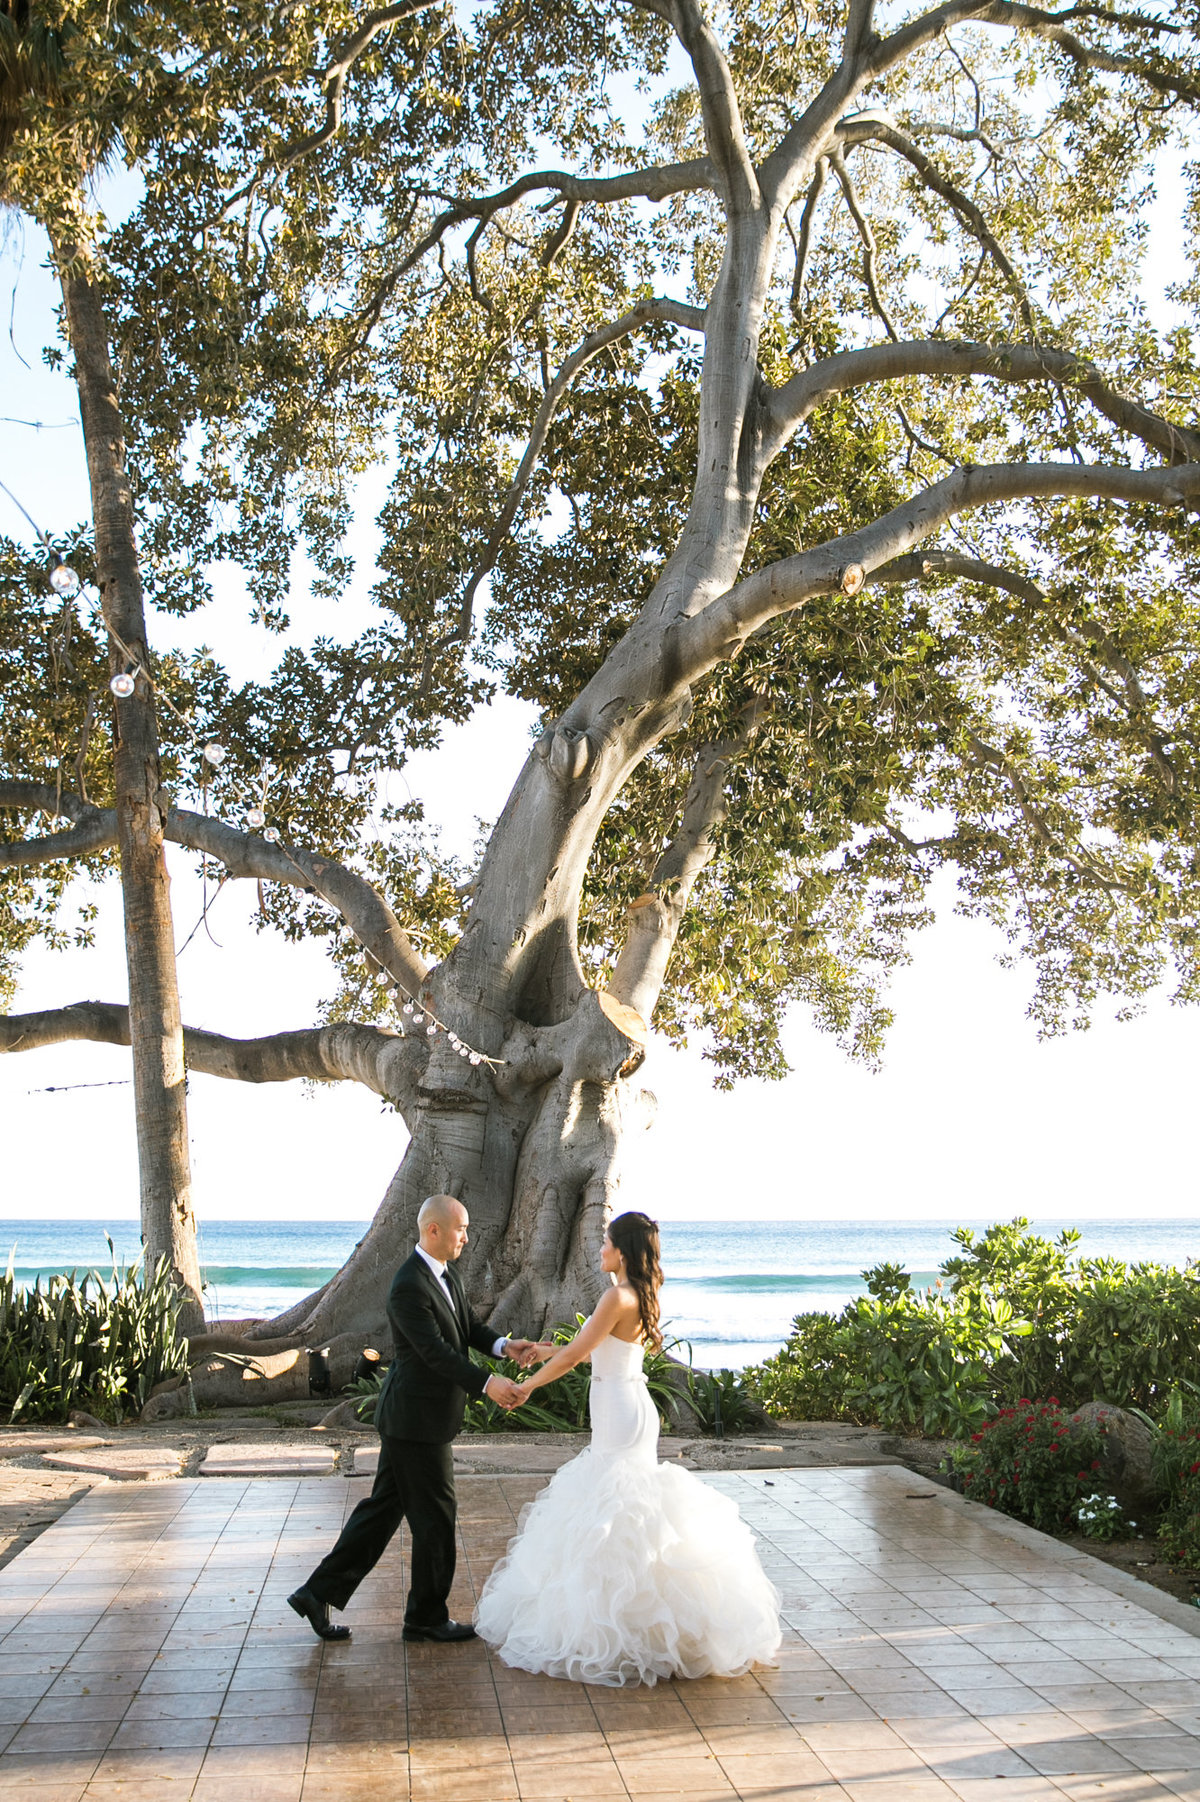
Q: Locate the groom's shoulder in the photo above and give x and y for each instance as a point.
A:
(409, 1272)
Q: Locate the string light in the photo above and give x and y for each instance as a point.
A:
(66, 583)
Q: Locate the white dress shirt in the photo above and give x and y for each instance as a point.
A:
(439, 1270)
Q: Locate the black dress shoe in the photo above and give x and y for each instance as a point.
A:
(316, 1612)
(446, 1631)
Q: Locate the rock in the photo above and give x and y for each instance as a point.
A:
(1126, 1453)
(167, 1401)
(86, 1422)
(343, 1416)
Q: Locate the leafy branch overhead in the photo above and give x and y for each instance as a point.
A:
(768, 397)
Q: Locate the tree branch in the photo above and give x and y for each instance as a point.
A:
(333, 83)
(345, 1052)
(676, 313)
(931, 25)
(697, 644)
(791, 405)
(803, 239)
(870, 249)
(244, 854)
(1089, 868)
(723, 129)
(654, 919)
(94, 828)
(1088, 637)
(867, 128)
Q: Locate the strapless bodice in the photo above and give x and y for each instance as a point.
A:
(617, 1361)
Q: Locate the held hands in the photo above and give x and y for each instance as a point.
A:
(527, 1352)
(504, 1392)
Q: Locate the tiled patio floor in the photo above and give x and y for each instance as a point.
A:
(148, 1652)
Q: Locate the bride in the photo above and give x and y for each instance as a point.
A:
(626, 1570)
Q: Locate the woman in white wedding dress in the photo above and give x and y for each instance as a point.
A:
(626, 1570)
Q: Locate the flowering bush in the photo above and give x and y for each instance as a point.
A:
(1029, 1462)
(1101, 1516)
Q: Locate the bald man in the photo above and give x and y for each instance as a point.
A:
(420, 1411)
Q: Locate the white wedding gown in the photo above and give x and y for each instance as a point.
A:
(626, 1570)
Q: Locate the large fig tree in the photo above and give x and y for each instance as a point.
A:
(773, 401)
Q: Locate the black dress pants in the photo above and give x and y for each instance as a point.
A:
(414, 1482)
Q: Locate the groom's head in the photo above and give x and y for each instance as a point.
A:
(442, 1224)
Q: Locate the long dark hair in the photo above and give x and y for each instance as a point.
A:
(635, 1236)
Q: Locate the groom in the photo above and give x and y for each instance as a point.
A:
(420, 1410)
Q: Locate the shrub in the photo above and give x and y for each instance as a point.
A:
(720, 1398)
(1026, 1462)
(1177, 1474)
(1100, 1516)
(87, 1342)
(1012, 1315)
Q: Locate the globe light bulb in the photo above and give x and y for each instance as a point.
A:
(418, 1016)
(272, 835)
(475, 1057)
(63, 580)
(215, 754)
(431, 1029)
(407, 1009)
(382, 976)
(255, 817)
(462, 1051)
(122, 686)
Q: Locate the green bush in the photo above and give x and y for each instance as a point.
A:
(1012, 1315)
(1177, 1475)
(720, 1398)
(1026, 1463)
(87, 1342)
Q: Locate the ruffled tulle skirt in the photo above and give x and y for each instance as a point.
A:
(626, 1570)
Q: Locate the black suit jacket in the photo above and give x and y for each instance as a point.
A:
(431, 1375)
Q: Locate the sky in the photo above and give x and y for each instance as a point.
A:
(970, 1118)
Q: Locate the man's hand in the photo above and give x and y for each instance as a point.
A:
(503, 1391)
(527, 1352)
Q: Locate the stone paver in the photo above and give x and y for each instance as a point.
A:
(20, 1445)
(933, 1651)
(129, 1463)
(268, 1460)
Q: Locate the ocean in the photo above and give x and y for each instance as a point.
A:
(732, 1288)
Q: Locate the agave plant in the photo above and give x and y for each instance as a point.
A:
(87, 1341)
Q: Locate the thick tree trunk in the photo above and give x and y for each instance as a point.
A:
(156, 1030)
(533, 1149)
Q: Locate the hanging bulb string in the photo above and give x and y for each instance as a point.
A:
(43, 537)
(414, 1012)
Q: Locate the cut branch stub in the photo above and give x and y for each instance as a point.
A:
(569, 754)
(627, 1021)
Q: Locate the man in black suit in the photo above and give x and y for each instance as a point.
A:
(420, 1410)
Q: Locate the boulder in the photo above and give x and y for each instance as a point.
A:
(344, 1416)
(87, 1423)
(1126, 1453)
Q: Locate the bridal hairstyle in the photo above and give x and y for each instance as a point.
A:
(635, 1236)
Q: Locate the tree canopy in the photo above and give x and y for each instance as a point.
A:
(769, 398)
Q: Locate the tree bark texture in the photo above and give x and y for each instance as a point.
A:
(155, 1026)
